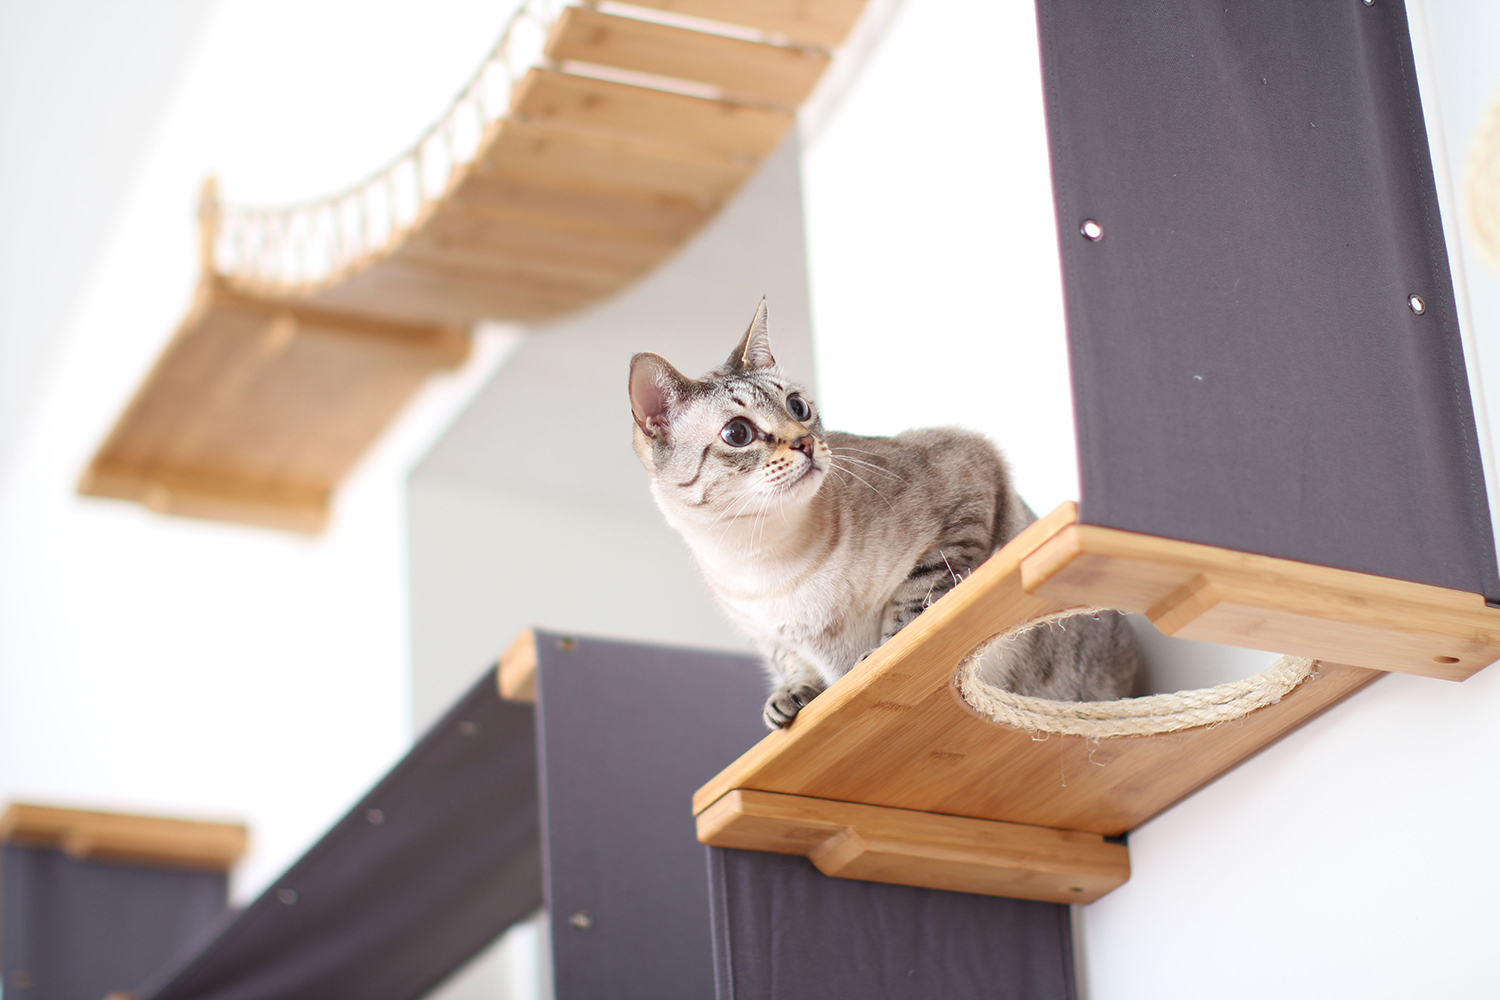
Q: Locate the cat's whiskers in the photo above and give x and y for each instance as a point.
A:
(873, 466)
(872, 488)
(870, 465)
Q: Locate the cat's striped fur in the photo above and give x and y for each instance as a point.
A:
(820, 545)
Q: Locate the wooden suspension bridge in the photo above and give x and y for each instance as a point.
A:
(550, 184)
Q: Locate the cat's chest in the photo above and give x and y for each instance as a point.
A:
(798, 604)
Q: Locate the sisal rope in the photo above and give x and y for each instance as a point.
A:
(1157, 713)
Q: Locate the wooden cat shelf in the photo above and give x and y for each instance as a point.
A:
(889, 776)
(90, 835)
(313, 325)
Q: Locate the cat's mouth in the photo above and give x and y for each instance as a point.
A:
(811, 467)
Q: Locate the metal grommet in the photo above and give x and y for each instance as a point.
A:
(287, 896)
(1415, 304)
(375, 817)
(1091, 230)
(581, 920)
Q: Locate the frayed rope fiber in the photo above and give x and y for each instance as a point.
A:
(1157, 713)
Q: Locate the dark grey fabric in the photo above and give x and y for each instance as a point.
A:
(81, 929)
(785, 931)
(435, 862)
(628, 733)
(1247, 372)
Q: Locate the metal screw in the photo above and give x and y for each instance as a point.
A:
(1091, 230)
(287, 896)
(1415, 303)
(375, 817)
(581, 920)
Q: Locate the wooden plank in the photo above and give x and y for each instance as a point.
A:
(1259, 602)
(435, 346)
(581, 211)
(892, 733)
(289, 507)
(406, 285)
(757, 72)
(722, 129)
(823, 23)
(240, 399)
(92, 835)
(903, 847)
(517, 673)
(516, 245)
(258, 407)
(560, 158)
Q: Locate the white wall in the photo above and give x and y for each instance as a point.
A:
(167, 665)
(1354, 858)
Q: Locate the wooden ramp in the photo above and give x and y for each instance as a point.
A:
(543, 189)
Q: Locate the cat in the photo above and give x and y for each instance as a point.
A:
(821, 545)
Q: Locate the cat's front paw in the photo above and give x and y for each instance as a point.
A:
(786, 701)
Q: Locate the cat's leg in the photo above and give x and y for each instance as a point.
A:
(938, 571)
(797, 682)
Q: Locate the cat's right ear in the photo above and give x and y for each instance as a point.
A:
(655, 387)
(754, 349)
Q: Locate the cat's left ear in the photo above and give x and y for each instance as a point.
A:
(655, 387)
(754, 350)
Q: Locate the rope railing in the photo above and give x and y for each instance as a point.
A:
(311, 241)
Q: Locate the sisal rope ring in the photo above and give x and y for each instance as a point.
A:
(1098, 720)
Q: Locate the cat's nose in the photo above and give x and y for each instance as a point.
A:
(804, 444)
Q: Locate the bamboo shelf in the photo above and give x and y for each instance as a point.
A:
(890, 776)
(278, 380)
(88, 835)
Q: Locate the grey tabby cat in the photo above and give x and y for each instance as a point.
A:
(820, 546)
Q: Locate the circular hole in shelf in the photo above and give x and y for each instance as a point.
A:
(1445, 659)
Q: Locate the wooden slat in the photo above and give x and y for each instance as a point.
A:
(558, 251)
(90, 835)
(1242, 599)
(892, 733)
(903, 847)
(517, 673)
(582, 211)
(777, 75)
(217, 498)
(406, 285)
(824, 23)
(590, 162)
(434, 346)
(703, 127)
(258, 407)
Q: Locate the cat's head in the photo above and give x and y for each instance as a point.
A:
(743, 439)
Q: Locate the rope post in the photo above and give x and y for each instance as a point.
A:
(208, 223)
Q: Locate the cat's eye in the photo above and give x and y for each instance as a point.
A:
(738, 432)
(797, 407)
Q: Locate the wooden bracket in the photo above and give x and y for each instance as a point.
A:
(88, 835)
(879, 844)
(517, 673)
